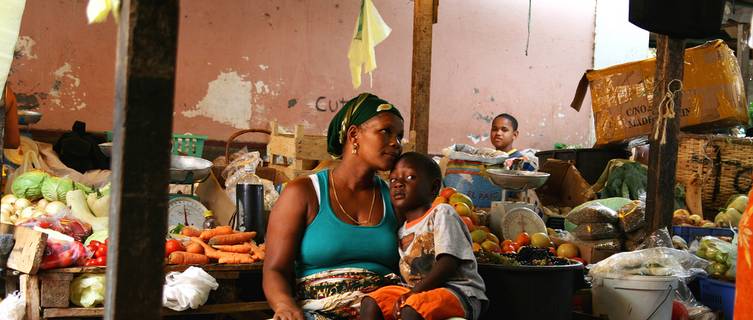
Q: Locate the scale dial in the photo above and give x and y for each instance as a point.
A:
(521, 219)
(185, 211)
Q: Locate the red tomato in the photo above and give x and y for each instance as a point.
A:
(100, 261)
(679, 312)
(101, 251)
(552, 251)
(95, 243)
(523, 239)
(508, 248)
(107, 241)
(90, 263)
(173, 245)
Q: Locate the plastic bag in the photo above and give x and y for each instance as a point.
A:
(658, 238)
(650, 262)
(63, 222)
(559, 236)
(62, 254)
(244, 161)
(592, 213)
(471, 153)
(13, 307)
(632, 216)
(595, 231)
(88, 290)
(721, 254)
(189, 289)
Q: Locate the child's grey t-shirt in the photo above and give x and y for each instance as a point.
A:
(439, 231)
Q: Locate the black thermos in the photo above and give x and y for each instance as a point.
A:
(249, 199)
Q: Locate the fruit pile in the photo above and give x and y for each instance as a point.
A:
(463, 206)
(533, 250)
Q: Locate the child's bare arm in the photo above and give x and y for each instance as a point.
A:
(445, 267)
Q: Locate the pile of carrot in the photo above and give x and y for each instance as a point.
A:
(222, 244)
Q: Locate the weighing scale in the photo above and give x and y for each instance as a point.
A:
(509, 218)
(182, 208)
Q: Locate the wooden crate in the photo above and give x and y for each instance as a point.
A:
(304, 151)
(48, 292)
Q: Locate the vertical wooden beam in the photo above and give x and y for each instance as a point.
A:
(143, 121)
(423, 19)
(743, 53)
(663, 157)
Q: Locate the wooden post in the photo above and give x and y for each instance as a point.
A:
(663, 157)
(743, 53)
(143, 121)
(424, 13)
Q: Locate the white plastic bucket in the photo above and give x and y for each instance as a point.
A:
(634, 297)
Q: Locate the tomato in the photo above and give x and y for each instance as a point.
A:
(505, 242)
(101, 251)
(95, 243)
(100, 261)
(516, 246)
(45, 224)
(552, 251)
(523, 239)
(107, 241)
(90, 263)
(508, 248)
(173, 245)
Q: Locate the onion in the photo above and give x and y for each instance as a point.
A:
(55, 207)
(41, 204)
(9, 199)
(27, 213)
(21, 203)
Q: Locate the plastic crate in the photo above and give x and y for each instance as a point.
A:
(183, 144)
(692, 233)
(589, 162)
(718, 295)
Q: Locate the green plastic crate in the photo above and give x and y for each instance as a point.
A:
(183, 144)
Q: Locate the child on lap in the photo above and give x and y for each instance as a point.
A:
(436, 257)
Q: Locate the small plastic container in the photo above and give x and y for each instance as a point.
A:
(210, 221)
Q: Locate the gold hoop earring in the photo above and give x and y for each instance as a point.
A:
(355, 149)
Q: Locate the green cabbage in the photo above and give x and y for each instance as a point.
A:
(88, 290)
(54, 188)
(100, 235)
(29, 185)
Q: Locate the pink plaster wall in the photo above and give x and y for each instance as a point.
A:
(242, 63)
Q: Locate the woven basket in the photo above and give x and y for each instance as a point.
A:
(217, 168)
(725, 165)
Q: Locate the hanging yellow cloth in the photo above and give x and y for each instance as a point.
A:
(369, 32)
(97, 10)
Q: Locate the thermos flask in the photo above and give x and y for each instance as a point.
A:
(249, 201)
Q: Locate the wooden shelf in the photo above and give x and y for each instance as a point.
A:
(206, 309)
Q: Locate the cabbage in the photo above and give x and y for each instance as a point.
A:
(88, 290)
(54, 188)
(100, 235)
(29, 185)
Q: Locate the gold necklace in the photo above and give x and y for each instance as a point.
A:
(334, 190)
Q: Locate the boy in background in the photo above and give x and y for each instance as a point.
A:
(436, 254)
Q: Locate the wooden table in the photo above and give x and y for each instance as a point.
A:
(48, 292)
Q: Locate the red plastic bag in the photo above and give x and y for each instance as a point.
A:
(65, 224)
(62, 254)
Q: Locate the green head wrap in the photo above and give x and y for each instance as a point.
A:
(357, 111)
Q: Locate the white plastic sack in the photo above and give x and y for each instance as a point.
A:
(88, 290)
(470, 153)
(13, 307)
(189, 289)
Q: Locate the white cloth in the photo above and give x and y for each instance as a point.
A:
(187, 289)
(13, 307)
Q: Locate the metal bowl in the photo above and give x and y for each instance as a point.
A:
(106, 148)
(517, 180)
(187, 169)
(26, 117)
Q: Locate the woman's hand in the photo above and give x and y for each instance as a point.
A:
(289, 313)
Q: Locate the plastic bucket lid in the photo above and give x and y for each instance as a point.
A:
(634, 297)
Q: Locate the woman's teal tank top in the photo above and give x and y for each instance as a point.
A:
(329, 243)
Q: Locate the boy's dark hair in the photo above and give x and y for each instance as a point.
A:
(508, 117)
(422, 163)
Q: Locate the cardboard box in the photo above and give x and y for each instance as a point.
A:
(565, 186)
(591, 253)
(713, 94)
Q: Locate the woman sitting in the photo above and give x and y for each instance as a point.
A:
(332, 236)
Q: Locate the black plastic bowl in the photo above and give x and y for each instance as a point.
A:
(531, 292)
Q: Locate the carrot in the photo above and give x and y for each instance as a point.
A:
(180, 257)
(190, 232)
(258, 251)
(237, 248)
(233, 258)
(194, 248)
(208, 251)
(230, 239)
(209, 233)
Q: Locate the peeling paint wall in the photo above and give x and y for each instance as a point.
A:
(243, 63)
